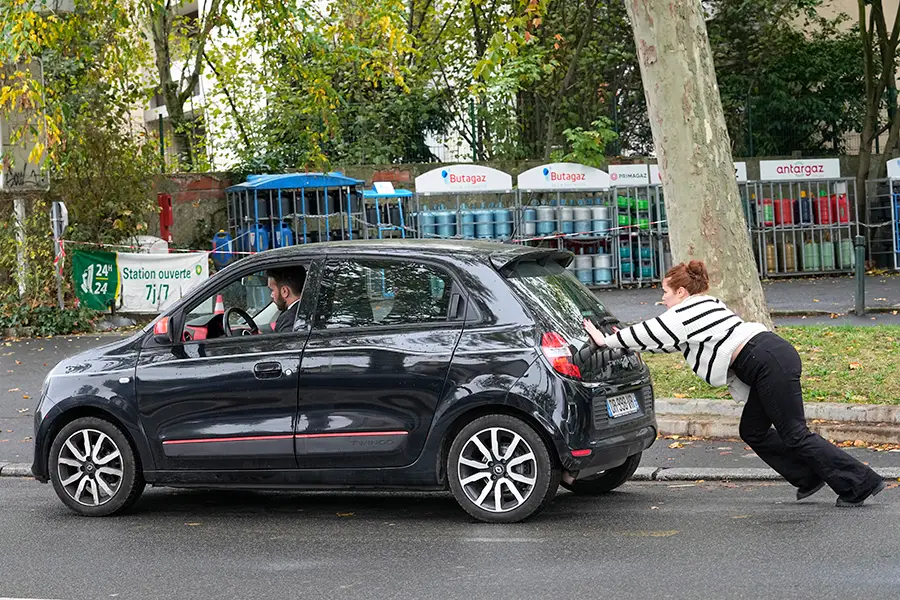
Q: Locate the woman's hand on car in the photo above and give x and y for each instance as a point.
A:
(594, 333)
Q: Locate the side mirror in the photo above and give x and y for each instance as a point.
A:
(162, 331)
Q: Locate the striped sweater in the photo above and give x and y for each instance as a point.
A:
(702, 328)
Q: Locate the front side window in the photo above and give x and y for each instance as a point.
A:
(371, 293)
(250, 296)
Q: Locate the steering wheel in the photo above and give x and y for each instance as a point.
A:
(226, 322)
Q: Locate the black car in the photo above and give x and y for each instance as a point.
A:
(414, 365)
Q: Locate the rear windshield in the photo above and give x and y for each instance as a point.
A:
(557, 298)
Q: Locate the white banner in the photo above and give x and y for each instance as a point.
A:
(893, 168)
(461, 179)
(563, 176)
(629, 175)
(740, 173)
(794, 170)
(151, 283)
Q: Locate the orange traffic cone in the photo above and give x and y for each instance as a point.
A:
(220, 305)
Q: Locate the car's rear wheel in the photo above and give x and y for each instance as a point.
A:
(500, 470)
(606, 481)
(93, 468)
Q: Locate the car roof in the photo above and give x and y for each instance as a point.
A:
(495, 253)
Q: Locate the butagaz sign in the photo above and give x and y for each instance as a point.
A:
(793, 170)
(456, 179)
(563, 176)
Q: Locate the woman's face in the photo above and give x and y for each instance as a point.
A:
(673, 297)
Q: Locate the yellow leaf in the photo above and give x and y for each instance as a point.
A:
(680, 395)
(854, 366)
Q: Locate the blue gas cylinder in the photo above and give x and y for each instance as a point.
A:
(284, 235)
(257, 238)
(529, 222)
(222, 249)
(502, 223)
(445, 223)
(426, 223)
(484, 224)
(468, 223)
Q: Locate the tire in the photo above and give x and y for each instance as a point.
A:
(517, 459)
(606, 481)
(105, 480)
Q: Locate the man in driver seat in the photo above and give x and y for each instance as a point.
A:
(286, 284)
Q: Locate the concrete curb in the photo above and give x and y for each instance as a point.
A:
(827, 411)
(871, 423)
(15, 470)
(719, 474)
(803, 312)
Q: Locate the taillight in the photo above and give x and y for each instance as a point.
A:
(558, 354)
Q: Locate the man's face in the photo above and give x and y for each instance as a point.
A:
(279, 294)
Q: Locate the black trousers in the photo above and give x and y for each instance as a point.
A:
(771, 367)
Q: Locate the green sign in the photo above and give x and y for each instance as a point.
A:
(96, 279)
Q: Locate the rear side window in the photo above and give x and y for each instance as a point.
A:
(558, 300)
(371, 293)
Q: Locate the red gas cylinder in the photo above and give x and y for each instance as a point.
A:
(840, 208)
(784, 212)
(824, 212)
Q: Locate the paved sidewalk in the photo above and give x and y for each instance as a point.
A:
(822, 295)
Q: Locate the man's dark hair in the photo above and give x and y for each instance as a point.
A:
(293, 277)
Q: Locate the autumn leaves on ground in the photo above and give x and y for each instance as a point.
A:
(840, 364)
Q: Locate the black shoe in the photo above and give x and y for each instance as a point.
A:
(806, 492)
(853, 503)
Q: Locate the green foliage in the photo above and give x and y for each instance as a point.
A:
(106, 181)
(44, 320)
(787, 83)
(589, 147)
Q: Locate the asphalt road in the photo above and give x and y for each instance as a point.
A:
(23, 366)
(25, 363)
(648, 540)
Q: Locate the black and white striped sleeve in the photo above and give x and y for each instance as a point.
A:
(661, 334)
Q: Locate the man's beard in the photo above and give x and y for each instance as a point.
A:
(281, 304)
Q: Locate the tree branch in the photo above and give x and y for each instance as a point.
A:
(234, 110)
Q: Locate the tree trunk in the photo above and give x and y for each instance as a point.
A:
(706, 221)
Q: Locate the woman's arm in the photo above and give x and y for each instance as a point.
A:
(664, 333)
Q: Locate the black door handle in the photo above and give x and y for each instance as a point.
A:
(267, 370)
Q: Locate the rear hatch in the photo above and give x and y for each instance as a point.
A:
(559, 303)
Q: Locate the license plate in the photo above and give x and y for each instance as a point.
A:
(619, 406)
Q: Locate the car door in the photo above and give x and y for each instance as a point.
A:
(376, 361)
(225, 402)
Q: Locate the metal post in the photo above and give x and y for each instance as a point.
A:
(22, 267)
(59, 220)
(474, 130)
(860, 244)
(162, 146)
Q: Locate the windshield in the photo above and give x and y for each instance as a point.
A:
(558, 299)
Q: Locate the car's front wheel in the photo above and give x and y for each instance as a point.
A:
(500, 470)
(606, 481)
(93, 468)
